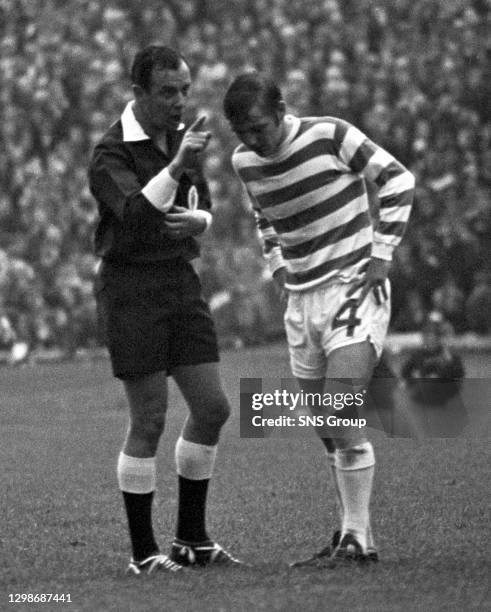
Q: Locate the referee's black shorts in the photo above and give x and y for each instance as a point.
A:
(153, 317)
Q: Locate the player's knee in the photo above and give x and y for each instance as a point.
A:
(348, 437)
(356, 457)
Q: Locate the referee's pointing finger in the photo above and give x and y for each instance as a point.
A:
(198, 124)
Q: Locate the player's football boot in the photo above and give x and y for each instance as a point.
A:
(150, 565)
(201, 554)
(349, 550)
(326, 552)
(372, 554)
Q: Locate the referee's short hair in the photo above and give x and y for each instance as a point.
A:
(154, 56)
(247, 90)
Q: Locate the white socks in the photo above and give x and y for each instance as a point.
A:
(354, 470)
(136, 474)
(331, 459)
(195, 461)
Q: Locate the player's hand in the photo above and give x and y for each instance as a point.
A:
(194, 142)
(182, 223)
(375, 277)
(279, 278)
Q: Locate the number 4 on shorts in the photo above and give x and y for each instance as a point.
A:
(350, 321)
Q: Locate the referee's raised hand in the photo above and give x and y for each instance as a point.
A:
(195, 141)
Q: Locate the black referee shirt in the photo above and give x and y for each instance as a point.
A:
(130, 229)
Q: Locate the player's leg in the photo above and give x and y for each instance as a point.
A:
(308, 364)
(349, 370)
(196, 451)
(317, 386)
(147, 398)
(349, 453)
(353, 341)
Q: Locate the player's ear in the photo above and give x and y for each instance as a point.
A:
(280, 111)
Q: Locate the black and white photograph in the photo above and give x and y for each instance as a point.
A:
(245, 305)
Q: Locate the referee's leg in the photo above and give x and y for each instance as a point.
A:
(147, 397)
(196, 447)
(208, 406)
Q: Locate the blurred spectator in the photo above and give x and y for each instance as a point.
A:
(448, 299)
(434, 376)
(478, 304)
(434, 373)
(412, 316)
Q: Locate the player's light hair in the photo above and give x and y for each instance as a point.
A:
(248, 89)
(154, 56)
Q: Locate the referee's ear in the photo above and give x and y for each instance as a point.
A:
(138, 91)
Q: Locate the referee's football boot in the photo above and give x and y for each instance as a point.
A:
(201, 554)
(153, 564)
(325, 553)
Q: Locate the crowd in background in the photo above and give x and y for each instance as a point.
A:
(414, 75)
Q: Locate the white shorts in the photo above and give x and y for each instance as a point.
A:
(323, 319)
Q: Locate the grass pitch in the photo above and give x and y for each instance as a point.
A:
(63, 528)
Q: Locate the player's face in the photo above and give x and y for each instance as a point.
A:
(262, 131)
(162, 105)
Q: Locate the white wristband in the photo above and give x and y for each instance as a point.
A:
(160, 191)
(204, 214)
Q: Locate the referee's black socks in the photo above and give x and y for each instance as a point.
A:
(194, 464)
(136, 478)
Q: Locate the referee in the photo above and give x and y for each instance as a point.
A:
(146, 176)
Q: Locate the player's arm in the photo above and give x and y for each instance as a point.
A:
(394, 182)
(268, 238)
(272, 252)
(395, 186)
(270, 243)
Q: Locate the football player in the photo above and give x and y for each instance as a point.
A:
(306, 178)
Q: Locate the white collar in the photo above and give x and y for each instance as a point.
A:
(293, 125)
(132, 130)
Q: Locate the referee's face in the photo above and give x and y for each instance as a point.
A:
(262, 131)
(162, 105)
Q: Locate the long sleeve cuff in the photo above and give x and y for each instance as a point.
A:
(160, 191)
(275, 260)
(382, 250)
